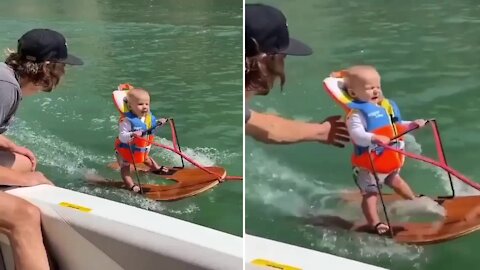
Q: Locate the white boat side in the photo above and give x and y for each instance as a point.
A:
(262, 253)
(88, 232)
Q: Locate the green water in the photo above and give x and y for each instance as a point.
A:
(427, 53)
(187, 53)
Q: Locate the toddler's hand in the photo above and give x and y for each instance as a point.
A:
(337, 74)
(420, 122)
(137, 133)
(161, 121)
(380, 139)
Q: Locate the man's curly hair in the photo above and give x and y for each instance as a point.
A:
(46, 74)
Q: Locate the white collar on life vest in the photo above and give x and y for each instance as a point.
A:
(335, 89)
(120, 97)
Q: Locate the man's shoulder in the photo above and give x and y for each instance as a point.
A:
(8, 83)
(7, 77)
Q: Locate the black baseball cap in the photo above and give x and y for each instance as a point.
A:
(39, 45)
(266, 27)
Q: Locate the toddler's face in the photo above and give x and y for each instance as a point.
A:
(140, 105)
(366, 86)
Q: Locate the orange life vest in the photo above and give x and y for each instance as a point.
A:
(136, 151)
(383, 119)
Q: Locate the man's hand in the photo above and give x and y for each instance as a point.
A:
(26, 152)
(336, 131)
(35, 178)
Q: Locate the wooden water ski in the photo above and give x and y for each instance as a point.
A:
(462, 217)
(189, 182)
(178, 173)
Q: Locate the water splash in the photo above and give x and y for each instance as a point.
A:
(460, 188)
(284, 189)
(52, 151)
(423, 206)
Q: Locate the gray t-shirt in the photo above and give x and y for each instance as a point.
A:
(10, 96)
(247, 113)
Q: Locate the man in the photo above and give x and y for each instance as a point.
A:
(267, 42)
(38, 65)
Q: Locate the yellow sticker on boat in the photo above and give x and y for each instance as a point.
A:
(274, 265)
(74, 206)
